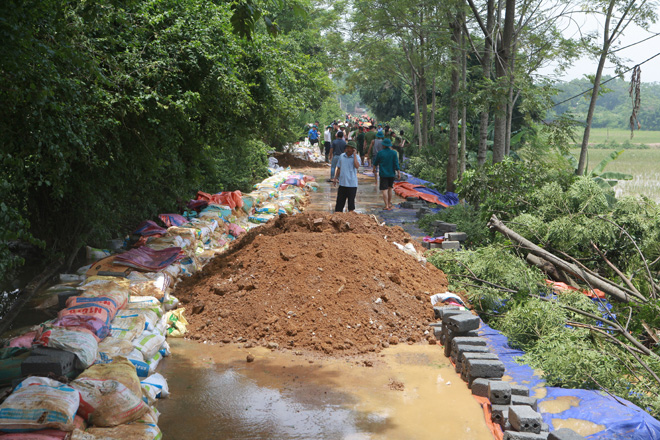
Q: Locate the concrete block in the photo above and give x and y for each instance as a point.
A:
(44, 361)
(484, 368)
(460, 364)
(436, 245)
(524, 419)
(456, 236)
(480, 387)
(451, 245)
(421, 212)
(564, 434)
(426, 245)
(545, 427)
(443, 227)
(463, 323)
(519, 390)
(524, 400)
(436, 328)
(514, 435)
(440, 311)
(458, 350)
(449, 313)
(412, 199)
(499, 393)
(500, 414)
(63, 296)
(469, 340)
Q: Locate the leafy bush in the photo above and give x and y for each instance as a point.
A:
(467, 220)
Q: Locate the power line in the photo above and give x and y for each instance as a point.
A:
(633, 44)
(605, 82)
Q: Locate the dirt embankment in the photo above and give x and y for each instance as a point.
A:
(328, 282)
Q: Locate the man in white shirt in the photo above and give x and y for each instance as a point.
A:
(346, 176)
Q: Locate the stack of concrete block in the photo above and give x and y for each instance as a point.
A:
(421, 212)
(416, 204)
(44, 361)
(441, 228)
(456, 236)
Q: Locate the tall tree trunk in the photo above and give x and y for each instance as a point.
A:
(464, 107)
(584, 151)
(452, 155)
(501, 67)
(486, 65)
(423, 86)
(510, 101)
(433, 105)
(418, 129)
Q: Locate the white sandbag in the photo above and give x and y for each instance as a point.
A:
(154, 387)
(133, 431)
(108, 402)
(81, 343)
(128, 325)
(153, 362)
(137, 359)
(111, 347)
(148, 343)
(39, 403)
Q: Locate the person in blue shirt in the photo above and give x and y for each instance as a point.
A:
(388, 162)
(336, 149)
(347, 167)
(313, 135)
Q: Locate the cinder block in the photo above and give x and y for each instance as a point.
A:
(458, 350)
(460, 365)
(436, 328)
(443, 227)
(480, 387)
(519, 390)
(44, 361)
(440, 311)
(545, 427)
(499, 393)
(514, 435)
(500, 414)
(469, 340)
(484, 368)
(451, 245)
(456, 236)
(452, 312)
(524, 400)
(421, 212)
(426, 245)
(524, 419)
(463, 323)
(436, 245)
(564, 434)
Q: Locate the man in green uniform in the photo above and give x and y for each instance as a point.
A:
(388, 162)
(360, 143)
(368, 137)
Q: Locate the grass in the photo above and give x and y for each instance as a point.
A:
(644, 165)
(620, 135)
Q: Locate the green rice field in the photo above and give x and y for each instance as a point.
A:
(644, 165)
(620, 135)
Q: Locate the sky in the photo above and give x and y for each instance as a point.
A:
(635, 54)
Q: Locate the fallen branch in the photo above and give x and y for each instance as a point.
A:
(615, 269)
(607, 287)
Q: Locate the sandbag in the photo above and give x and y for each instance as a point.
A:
(176, 323)
(79, 342)
(137, 359)
(119, 369)
(134, 431)
(154, 387)
(43, 434)
(128, 325)
(153, 362)
(107, 402)
(149, 343)
(111, 348)
(39, 403)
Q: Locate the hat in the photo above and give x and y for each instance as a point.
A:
(329, 126)
(387, 143)
(351, 144)
(380, 135)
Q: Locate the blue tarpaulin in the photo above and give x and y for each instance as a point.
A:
(592, 410)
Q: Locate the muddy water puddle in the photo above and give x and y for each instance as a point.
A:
(410, 392)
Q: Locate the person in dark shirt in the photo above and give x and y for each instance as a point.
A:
(336, 149)
(388, 162)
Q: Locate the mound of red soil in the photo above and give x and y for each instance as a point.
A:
(289, 160)
(328, 282)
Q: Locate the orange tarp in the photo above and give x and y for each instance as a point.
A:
(232, 199)
(405, 189)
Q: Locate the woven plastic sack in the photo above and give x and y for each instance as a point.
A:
(148, 344)
(108, 402)
(119, 369)
(44, 434)
(154, 387)
(39, 403)
(176, 323)
(134, 431)
(128, 325)
(110, 348)
(81, 343)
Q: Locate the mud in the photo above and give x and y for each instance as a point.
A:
(284, 396)
(583, 427)
(331, 283)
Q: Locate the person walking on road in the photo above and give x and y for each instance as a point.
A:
(336, 149)
(347, 167)
(360, 143)
(327, 141)
(374, 148)
(388, 162)
(313, 135)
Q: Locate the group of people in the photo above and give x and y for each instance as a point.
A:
(347, 146)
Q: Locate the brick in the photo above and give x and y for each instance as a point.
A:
(451, 245)
(440, 311)
(44, 361)
(524, 419)
(514, 435)
(564, 434)
(484, 368)
(519, 390)
(456, 236)
(499, 393)
(463, 323)
(480, 387)
(500, 414)
(524, 400)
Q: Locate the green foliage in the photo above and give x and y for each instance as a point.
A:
(431, 162)
(114, 113)
(466, 218)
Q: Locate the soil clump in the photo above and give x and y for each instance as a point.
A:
(289, 160)
(333, 283)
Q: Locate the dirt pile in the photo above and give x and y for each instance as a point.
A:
(289, 160)
(328, 282)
